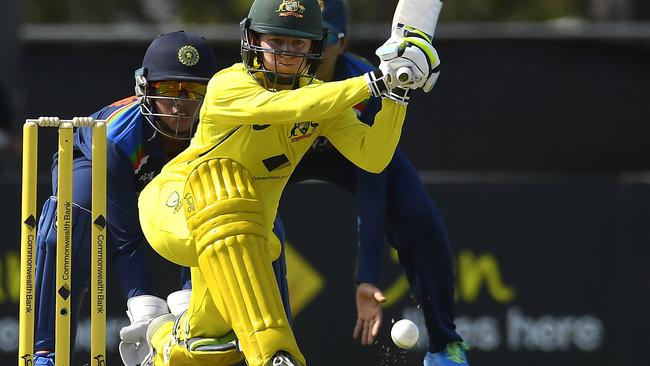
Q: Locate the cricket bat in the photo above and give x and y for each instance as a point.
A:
(419, 14)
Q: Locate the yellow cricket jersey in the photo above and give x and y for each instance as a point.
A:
(269, 132)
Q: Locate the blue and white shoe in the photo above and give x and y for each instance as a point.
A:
(452, 355)
(44, 359)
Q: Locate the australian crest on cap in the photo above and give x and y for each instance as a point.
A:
(291, 8)
(188, 55)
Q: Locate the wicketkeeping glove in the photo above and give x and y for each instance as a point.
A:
(141, 311)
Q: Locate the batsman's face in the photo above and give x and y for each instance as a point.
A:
(284, 63)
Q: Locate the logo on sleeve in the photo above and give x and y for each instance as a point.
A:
(140, 163)
(302, 130)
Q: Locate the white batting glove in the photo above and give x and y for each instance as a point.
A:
(410, 62)
(378, 84)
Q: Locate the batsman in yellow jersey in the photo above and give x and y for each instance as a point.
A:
(212, 207)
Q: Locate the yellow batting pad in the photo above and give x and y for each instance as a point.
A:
(228, 224)
(159, 340)
(180, 356)
(172, 351)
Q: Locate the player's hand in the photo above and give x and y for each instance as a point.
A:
(411, 62)
(369, 314)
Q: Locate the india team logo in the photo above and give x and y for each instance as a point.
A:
(291, 8)
(188, 55)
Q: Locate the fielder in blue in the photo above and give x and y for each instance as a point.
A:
(393, 204)
(144, 132)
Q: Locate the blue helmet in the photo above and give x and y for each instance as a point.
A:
(176, 56)
(179, 56)
(335, 17)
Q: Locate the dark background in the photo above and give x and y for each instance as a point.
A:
(568, 106)
(564, 248)
(526, 145)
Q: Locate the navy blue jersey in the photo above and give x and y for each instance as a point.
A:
(134, 158)
(133, 146)
(370, 189)
(324, 162)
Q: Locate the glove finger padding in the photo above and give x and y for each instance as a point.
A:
(135, 332)
(141, 311)
(179, 301)
(431, 81)
(396, 55)
(432, 58)
(414, 53)
(146, 306)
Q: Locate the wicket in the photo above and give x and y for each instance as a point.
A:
(63, 240)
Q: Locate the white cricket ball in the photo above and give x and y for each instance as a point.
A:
(405, 334)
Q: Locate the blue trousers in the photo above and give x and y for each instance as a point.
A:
(396, 204)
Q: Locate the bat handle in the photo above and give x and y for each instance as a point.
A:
(404, 75)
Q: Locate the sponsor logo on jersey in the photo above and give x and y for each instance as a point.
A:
(291, 8)
(302, 130)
